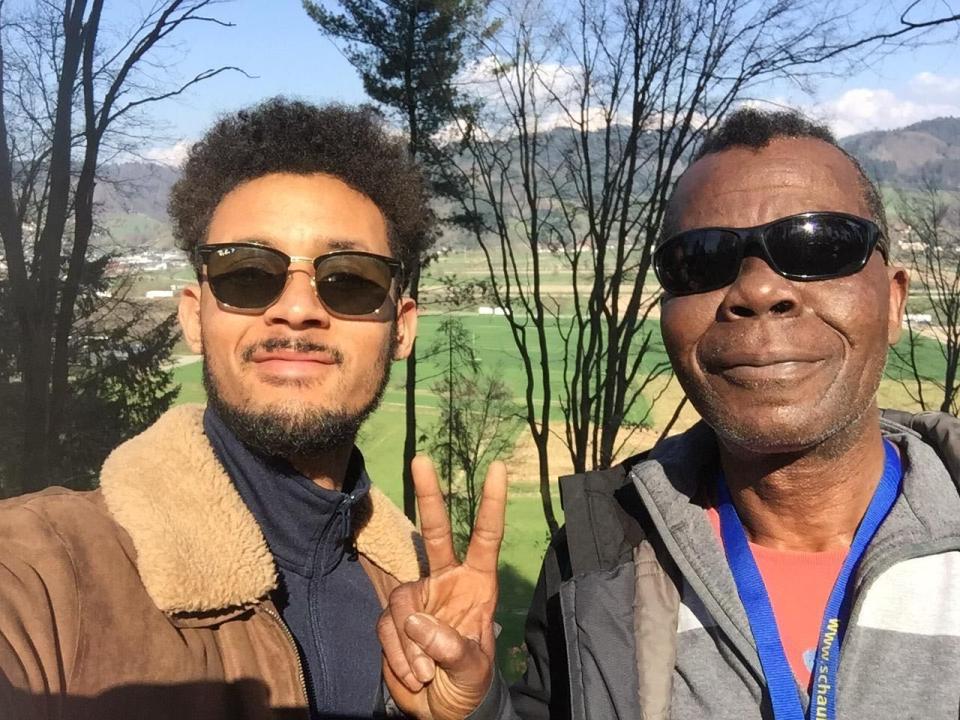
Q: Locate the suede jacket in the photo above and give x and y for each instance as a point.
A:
(150, 596)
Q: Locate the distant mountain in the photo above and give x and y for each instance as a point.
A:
(132, 204)
(903, 158)
(133, 196)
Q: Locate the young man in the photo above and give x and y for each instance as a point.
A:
(795, 554)
(235, 558)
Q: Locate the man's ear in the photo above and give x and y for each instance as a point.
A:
(406, 327)
(899, 289)
(188, 313)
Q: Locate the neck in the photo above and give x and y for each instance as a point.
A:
(328, 470)
(812, 500)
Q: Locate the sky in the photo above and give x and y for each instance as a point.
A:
(283, 53)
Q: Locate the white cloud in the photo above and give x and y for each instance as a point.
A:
(927, 82)
(172, 155)
(927, 95)
(551, 91)
(858, 110)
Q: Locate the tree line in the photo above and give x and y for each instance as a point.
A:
(547, 130)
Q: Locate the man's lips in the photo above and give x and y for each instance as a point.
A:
(772, 372)
(281, 356)
(760, 367)
(291, 364)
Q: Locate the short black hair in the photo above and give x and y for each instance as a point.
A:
(753, 128)
(288, 136)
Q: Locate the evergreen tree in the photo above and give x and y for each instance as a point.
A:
(119, 379)
(408, 53)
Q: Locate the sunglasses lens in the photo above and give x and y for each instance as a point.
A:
(818, 246)
(697, 261)
(353, 284)
(246, 277)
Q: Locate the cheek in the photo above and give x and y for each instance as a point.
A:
(221, 333)
(860, 312)
(364, 345)
(683, 322)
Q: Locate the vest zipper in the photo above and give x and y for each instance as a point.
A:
(296, 652)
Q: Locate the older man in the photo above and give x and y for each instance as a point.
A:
(793, 555)
(234, 561)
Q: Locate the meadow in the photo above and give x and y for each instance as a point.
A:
(526, 537)
(381, 441)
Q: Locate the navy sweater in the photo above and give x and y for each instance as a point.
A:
(324, 595)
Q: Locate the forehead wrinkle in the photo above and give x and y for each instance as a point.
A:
(745, 187)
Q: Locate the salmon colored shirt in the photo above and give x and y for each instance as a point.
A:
(798, 585)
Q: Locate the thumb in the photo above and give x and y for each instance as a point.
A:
(461, 658)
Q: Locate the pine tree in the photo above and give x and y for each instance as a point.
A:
(408, 53)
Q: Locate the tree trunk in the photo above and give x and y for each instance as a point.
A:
(545, 498)
(33, 470)
(410, 438)
(38, 338)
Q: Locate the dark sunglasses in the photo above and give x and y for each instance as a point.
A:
(809, 246)
(247, 276)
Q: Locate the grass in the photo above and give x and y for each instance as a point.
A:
(526, 537)
(381, 441)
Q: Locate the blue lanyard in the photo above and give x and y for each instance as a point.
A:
(753, 594)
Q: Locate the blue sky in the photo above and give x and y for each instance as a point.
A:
(274, 41)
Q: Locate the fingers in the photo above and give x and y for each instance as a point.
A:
(404, 602)
(484, 549)
(434, 522)
(461, 658)
(393, 653)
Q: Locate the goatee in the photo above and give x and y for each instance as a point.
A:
(299, 432)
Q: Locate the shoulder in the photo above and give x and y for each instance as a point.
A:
(58, 534)
(937, 429)
(604, 520)
(605, 515)
(53, 516)
(47, 541)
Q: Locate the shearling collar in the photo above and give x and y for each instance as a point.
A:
(198, 547)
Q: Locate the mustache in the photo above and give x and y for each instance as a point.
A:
(299, 345)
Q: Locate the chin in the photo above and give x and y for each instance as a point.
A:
(788, 430)
(293, 408)
(757, 441)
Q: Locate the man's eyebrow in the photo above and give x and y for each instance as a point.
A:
(341, 244)
(256, 241)
(331, 245)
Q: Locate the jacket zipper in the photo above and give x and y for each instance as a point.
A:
(293, 644)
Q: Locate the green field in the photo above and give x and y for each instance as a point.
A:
(526, 537)
(382, 443)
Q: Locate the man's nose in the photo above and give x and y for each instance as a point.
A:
(298, 304)
(759, 291)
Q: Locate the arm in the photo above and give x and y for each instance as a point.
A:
(543, 690)
(437, 633)
(39, 612)
(541, 694)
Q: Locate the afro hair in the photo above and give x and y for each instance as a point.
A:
(289, 136)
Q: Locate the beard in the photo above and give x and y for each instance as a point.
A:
(297, 432)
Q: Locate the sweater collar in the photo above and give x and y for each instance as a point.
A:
(307, 527)
(198, 547)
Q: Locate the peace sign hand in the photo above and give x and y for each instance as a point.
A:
(437, 633)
